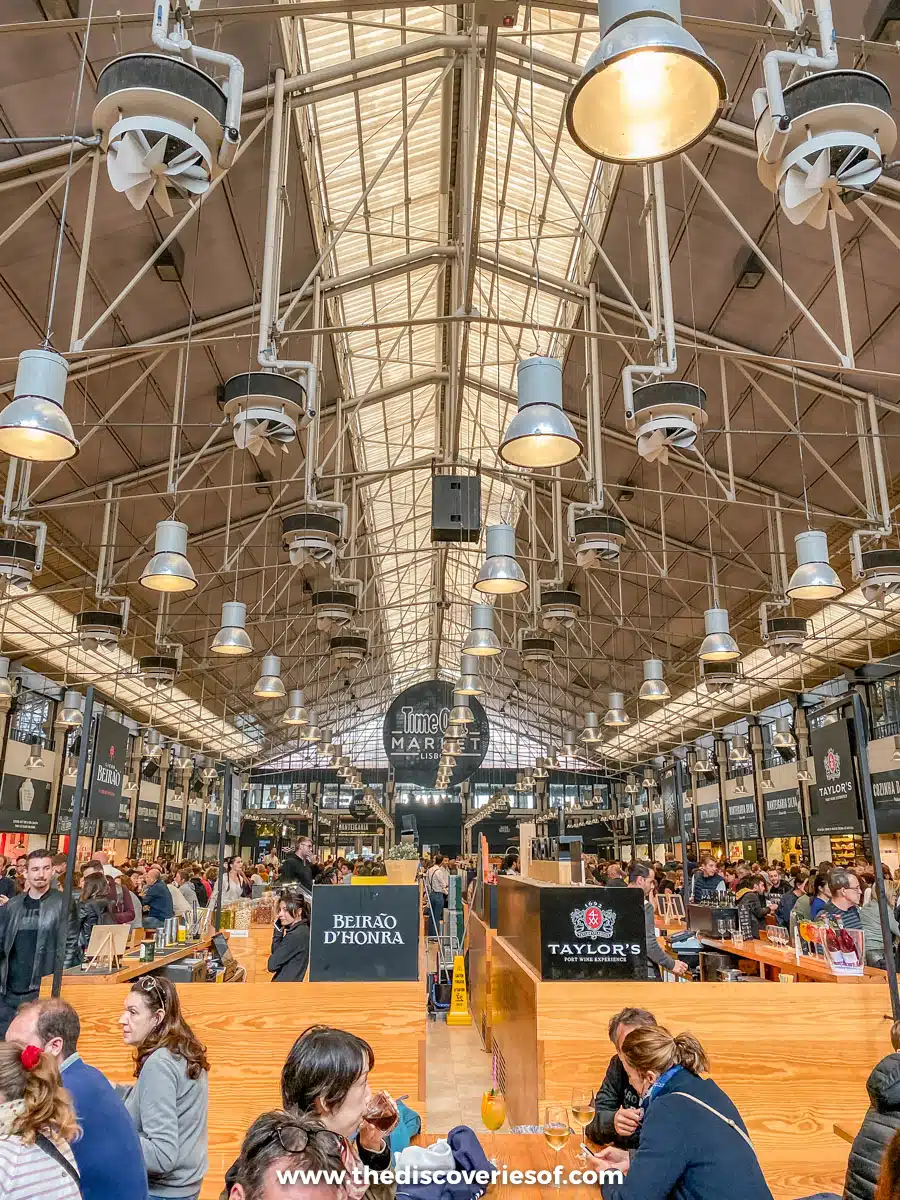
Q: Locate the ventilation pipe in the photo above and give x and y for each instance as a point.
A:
(884, 502)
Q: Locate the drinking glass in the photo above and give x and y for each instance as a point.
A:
(556, 1127)
(493, 1109)
(582, 1112)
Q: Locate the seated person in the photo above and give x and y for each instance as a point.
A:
(617, 1106)
(880, 1125)
(279, 1142)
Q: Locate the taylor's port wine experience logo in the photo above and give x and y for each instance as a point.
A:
(602, 938)
(832, 764)
(592, 921)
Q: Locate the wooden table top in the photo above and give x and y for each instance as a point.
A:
(785, 959)
(132, 967)
(844, 1133)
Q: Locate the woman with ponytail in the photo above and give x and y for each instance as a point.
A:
(693, 1143)
(37, 1125)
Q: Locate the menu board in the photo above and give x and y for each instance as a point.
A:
(146, 819)
(740, 819)
(886, 795)
(782, 815)
(709, 822)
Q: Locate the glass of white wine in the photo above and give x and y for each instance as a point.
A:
(556, 1130)
(582, 1111)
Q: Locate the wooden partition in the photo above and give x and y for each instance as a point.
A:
(248, 1030)
(793, 1058)
(481, 938)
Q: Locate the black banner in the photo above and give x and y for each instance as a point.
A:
(233, 827)
(107, 767)
(782, 814)
(414, 728)
(834, 801)
(146, 820)
(659, 828)
(670, 806)
(211, 829)
(709, 822)
(120, 828)
(362, 934)
(24, 805)
(740, 819)
(641, 829)
(592, 934)
(194, 829)
(886, 794)
(173, 823)
(87, 827)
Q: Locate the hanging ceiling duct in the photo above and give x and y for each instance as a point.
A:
(335, 608)
(598, 537)
(266, 409)
(560, 608)
(879, 573)
(311, 535)
(783, 635)
(21, 559)
(719, 677)
(349, 647)
(98, 630)
(649, 90)
(668, 415)
(158, 670)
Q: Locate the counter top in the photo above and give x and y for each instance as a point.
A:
(786, 961)
(132, 967)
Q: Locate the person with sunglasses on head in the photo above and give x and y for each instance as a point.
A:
(280, 1142)
(326, 1077)
(170, 1100)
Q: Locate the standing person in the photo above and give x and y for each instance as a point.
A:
(778, 885)
(437, 889)
(235, 884)
(873, 1145)
(29, 930)
(37, 1127)
(694, 1144)
(846, 897)
(168, 1104)
(180, 906)
(108, 1153)
(617, 1106)
(751, 904)
(157, 902)
(289, 956)
(296, 868)
(707, 884)
(109, 870)
(640, 877)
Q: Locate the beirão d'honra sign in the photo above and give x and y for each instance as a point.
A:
(414, 728)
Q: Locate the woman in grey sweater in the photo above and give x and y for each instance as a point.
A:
(170, 1100)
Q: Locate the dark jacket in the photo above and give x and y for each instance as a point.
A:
(751, 912)
(290, 953)
(620, 882)
(785, 908)
(157, 901)
(296, 870)
(711, 888)
(48, 932)
(91, 913)
(658, 959)
(689, 1153)
(121, 904)
(615, 1093)
(881, 1122)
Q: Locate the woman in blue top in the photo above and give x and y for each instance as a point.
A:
(693, 1143)
(821, 897)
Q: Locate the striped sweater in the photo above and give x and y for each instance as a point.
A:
(28, 1173)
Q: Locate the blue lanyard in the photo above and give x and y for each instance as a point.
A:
(657, 1087)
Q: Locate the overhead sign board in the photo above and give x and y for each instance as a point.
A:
(107, 770)
(782, 814)
(364, 934)
(414, 728)
(834, 800)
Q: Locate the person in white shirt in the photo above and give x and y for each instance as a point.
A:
(109, 870)
(437, 887)
(180, 906)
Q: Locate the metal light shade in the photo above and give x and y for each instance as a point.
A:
(295, 713)
(169, 570)
(815, 578)
(460, 713)
(269, 685)
(500, 574)
(768, 784)
(718, 645)
(540, 769)
(654, 686)
(616, 714)
(740, 786)
(325, 746)
(34, 426)
(232, 638)
(592, 731)
(632, 787)
(34, 759)
(649, 90)
(70, 714)
(570, 743)
(310, 732)
(468, 683)
(153, 745)
(552, 760)
(6, 687)
(783, 737)
(540, 434)
(737, 751)
(482, 641)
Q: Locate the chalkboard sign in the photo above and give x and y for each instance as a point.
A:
(24, 805)
(741, 823)
(782, 814)
(87, 827)
(364, 934)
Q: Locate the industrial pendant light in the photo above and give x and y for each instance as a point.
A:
(737, 751)
(649, 90)
(460, 713)
(70, 714)
(468, 683)
(718, 645)
(6, 687)
(169, 570)
(500, 574)
(570, 743)
(34, 426)
(592, 732)
(232, 638)
(482, 641)
(540, 769)
(153, 746)
(310, 732)
(783, 737)
(540, 434)
(34, 759)
(815, 578)
(295, 713)
(269, 685)
(616, 714)
(654, 686)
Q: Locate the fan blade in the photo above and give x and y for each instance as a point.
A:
(155, 156)
(840, 207)
(161, 195)
(862, 177)
(185, 167)
(125, 163)
(195, 187)
(653, 447)
(819, 173)
(139, 193)
(794, 193)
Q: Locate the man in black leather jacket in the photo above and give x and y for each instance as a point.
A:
(29, 931)
(617, 1106)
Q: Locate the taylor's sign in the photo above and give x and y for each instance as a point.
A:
(361, 934)
(414, 729)
(833, 802)
(107, 769)
(595, 934)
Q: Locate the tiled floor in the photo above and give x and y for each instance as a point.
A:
(459, 1071)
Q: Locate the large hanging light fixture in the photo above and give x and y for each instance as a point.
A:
(654, 686)
(482, 641)
(592, 732)
(718, 645)
(616, 714)
(6, 687)
(649, 90)
(169, 570)
(35, 758)
(295, 713)
(783, 736)
(70, 714)
(738, 754)
(460, 713)
(540, 434)
(34, 426)
(310, 732)
(269, 686)
(815, 578)
(468, 683)
(232, 638)
(500, 574)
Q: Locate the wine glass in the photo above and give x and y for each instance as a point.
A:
(556, 1130)
(582, 1112)
(493, 1109)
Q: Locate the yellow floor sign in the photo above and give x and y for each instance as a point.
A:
(459, 1001)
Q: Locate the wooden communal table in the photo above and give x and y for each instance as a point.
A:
(784, 959)
(132, 967)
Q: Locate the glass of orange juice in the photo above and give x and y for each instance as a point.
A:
(493, 1108)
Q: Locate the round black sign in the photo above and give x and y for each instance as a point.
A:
(414, 728)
